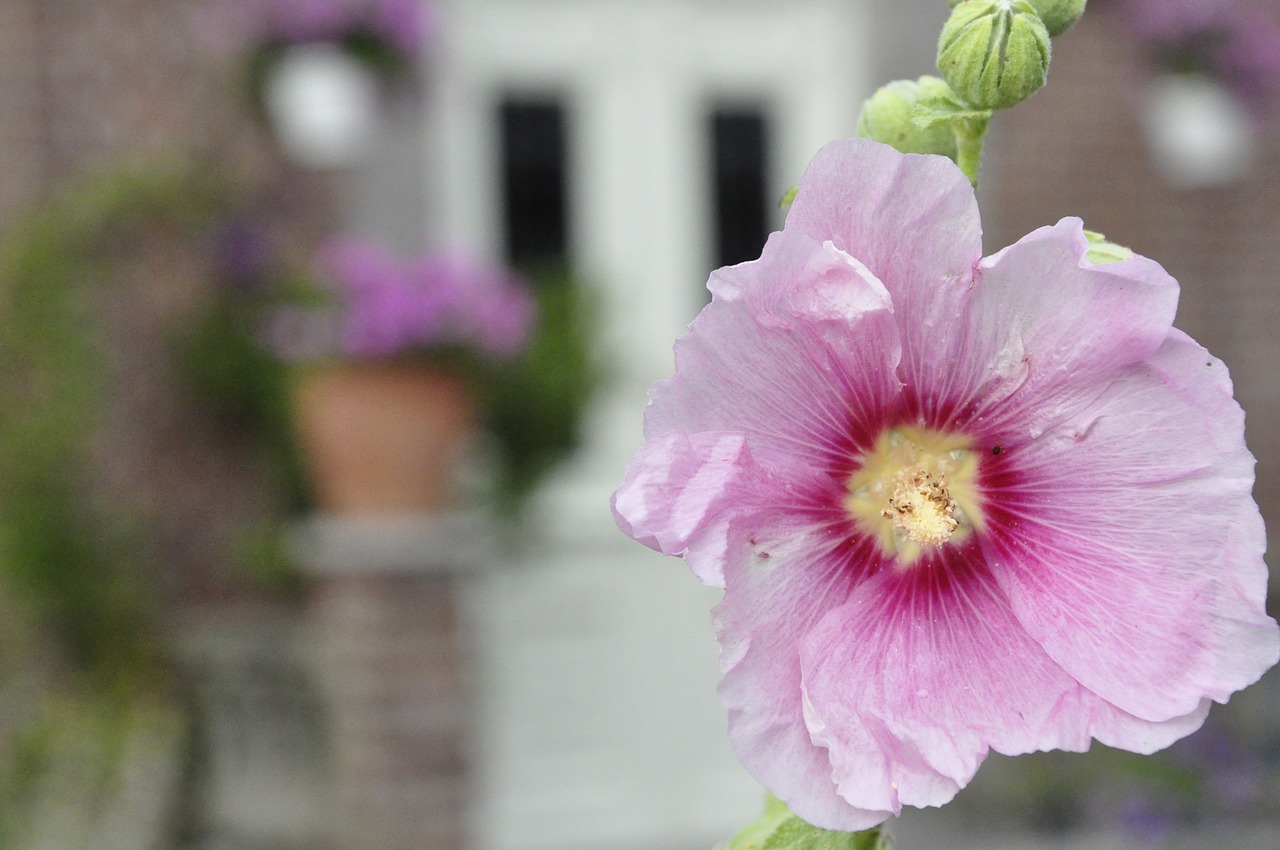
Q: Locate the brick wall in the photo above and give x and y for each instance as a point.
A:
(1076, 148)
(22, 167)
(83, 82)
(88, 85)
(92, 85)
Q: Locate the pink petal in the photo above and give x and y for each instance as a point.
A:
(913, 220)
(1130, 546)
(1085, 714)
(920, 672)
(906, 692)
(679, 493)
(804, 369)
(1047, 329)
(782, 578)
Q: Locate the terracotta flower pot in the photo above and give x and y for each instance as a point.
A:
(382, 438)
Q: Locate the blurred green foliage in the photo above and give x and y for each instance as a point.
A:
(221, 359)
(80, 592)
(80, 623)
(534, 404)
(78, 563)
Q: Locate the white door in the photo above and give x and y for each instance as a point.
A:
(598, 725)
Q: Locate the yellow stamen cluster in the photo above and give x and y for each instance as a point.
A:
(921, 507)
(915, 490)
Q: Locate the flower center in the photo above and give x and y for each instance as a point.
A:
(916, 490)
(921, 507)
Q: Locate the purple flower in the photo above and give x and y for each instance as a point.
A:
(242, 252)
(1235, 41)
(1175, 20)
(308, 20)
(956, 504)
(1146, 821)
(490, 305)
(388, 307)
(404, 25)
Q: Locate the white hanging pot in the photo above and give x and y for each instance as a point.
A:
(1199, 134)
(323, 105)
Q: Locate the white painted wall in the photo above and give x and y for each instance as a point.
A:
(599, 726)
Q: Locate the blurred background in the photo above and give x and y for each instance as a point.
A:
(215, 635)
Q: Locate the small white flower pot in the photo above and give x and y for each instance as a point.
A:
(1199, 134)
(323, 106)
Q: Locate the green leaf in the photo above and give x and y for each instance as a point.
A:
(930, 111)
(795, 834)
(754, 835)
(779, 829)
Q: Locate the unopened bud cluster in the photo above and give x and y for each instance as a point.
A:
(992, 54)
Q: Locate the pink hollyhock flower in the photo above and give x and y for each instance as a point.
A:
(956, 504)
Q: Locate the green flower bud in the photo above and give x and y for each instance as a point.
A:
(994, 53)
(886, 117)
(1059, 15)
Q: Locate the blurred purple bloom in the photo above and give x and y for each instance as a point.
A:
(242, 252)
(1251, 64)
(1146, 821)
(308, 20)
(1233, 774)
(1235, 41)
(1173, 20)
(490, 305)
(387, 307)
(404, 25)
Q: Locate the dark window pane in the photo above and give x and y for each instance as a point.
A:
(740, 160)
(533, 181)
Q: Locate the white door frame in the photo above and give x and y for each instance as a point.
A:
(598, 724)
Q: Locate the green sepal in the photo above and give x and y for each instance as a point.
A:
(968, 123)
(795, 834)
(754, 835)
(931, 111)
(779, 829)
(1102, 252)
(788, 197)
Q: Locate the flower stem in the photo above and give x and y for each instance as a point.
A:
(971, 136)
